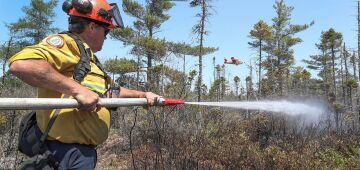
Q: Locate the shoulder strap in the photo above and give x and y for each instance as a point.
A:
(100, 66)
(51, 122)
(83, 66)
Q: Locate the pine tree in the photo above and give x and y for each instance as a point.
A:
(261, 32)
(283, 41)
(36, 24)
(121, 67)
(183, 49)
(321, 63)
(346, 56)
(141, 35)
(200, 30)
(332, 41)
(300, 80)
(30, 29)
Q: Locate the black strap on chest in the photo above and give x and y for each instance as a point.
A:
(83, 66)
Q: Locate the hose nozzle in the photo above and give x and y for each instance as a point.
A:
(169, 102)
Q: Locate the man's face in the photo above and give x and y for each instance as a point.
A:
(98, 36)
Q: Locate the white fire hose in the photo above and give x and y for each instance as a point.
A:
(60, 103)
(56, 103)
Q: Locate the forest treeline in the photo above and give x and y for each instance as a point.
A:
(192, 137)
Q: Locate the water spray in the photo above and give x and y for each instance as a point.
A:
(293, 108)
(311, 110)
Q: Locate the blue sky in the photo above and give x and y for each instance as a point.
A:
(229, 28)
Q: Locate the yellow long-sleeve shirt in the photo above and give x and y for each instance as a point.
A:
(72, 125)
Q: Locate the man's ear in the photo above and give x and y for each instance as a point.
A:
(92, 26)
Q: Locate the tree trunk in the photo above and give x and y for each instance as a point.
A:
(333, 71)
(353, 61)
(237, 88)
(359, 39)
(260, 61)
(342, 80)
(349, 86)
(326, 90)
(279, 70)
(346, 65)
(214, 66)
(348, 99)
(150, 56)
(272, 79)
(202, 29)
(359, 47)
(247, 90)
(138, 73)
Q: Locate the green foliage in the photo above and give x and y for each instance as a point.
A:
(195, 51)
(133, 8)
(120, 66)
(317, 62)
(172, 81)
(124, 34)
(261, 32)
(218, 89)
(199, 30)
(8, 49)
(337, 107)
(148, 45)
(148, 19)
(179, 48)
(301, 74)
(192, 75)
(212, 129)
(36, 24)
(30, 29)
(203, 15)
(187, 49)
(173, 75)
(352, 83)
(281, 44)
(331, 39)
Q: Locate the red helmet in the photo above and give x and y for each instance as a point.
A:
(98, 10)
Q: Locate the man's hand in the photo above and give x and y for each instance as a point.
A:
(88, 100)
(151, 97)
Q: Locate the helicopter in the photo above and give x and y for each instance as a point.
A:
(232, 61)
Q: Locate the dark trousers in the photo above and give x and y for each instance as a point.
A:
(73, 156)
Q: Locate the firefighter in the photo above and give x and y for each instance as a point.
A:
(64, 65)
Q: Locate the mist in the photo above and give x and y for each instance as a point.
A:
(310, 110)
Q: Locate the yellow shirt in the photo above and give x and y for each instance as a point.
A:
(71, 125)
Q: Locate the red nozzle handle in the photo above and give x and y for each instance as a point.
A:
(170, 102)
